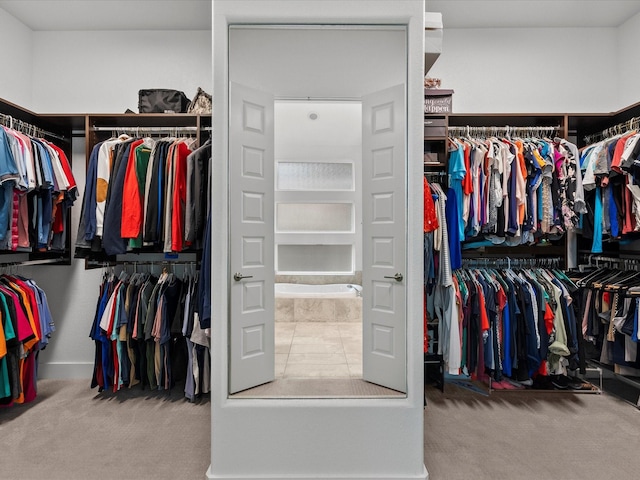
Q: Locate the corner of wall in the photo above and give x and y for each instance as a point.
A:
(628, 71)
(18, 57)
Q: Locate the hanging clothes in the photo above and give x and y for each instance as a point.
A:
(608, 304)
(514, 191)
(197, 199)
(144, 193)
(611, 182)
(146, 333)
(518, 327)
(25, 328)
(431, 224)
(36, 190)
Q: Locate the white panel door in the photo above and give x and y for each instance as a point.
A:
(251, 165)
(384, 245)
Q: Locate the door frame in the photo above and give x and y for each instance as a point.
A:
(357, 443)
(382, 182)
(377, 354)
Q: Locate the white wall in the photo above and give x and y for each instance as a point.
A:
(15, 58)
(297, 70)
(540, 70)
(102, 71)
(628, 63)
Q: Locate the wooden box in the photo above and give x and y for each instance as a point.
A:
(437, 100)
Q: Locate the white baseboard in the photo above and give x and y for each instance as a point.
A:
(318, 476)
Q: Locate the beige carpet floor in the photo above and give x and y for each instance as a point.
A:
(530, 435)
(72, 432)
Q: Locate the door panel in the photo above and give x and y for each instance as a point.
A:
(384, 243)
(252, 351)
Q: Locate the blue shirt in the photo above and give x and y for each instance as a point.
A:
(596, 245)
(457, 171)
(452, 216)
(91, 191)
(8, 167)
(8, 176)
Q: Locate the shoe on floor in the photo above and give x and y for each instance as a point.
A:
(507, 385)
(514, 384)
(526, 383)
(495, 385)
(560, 381)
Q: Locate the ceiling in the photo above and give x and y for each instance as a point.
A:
(196, 14)
(533, 13)
(111, 14)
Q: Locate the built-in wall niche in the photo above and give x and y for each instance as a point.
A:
(315, 259)
(317, 197)
(315, 175)
(315, 217)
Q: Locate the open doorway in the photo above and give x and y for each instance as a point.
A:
(318, 239)
(317, 212)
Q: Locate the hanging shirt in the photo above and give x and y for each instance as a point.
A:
(198, 180)
(457, 172)
(430, 218)
(112, 241)
(179, 206)
(133, 191)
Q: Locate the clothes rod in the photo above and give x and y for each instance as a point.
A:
(150, 262)
(27, 263)
(27, 128)
(144, 129)
(624, 257)
(504, 129)
(509, 262)
(619, 129)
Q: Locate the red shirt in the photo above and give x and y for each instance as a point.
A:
(430, 218)
(131, 203)
(179, 198)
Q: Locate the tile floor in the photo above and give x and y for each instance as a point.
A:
(318, 350)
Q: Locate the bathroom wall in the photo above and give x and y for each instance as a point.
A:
(321, 279)
(318, 310)
(318, 132)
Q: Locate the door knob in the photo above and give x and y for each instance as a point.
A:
(238, 276)
(397, 277)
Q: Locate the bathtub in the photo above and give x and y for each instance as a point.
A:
(302, 290)
(295, 302)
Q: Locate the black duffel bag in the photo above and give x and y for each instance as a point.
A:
(162, 100)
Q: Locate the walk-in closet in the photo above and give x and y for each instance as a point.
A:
(360, 239)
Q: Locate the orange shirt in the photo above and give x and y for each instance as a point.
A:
(32, 314)
(3, 340)
(522, 170)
